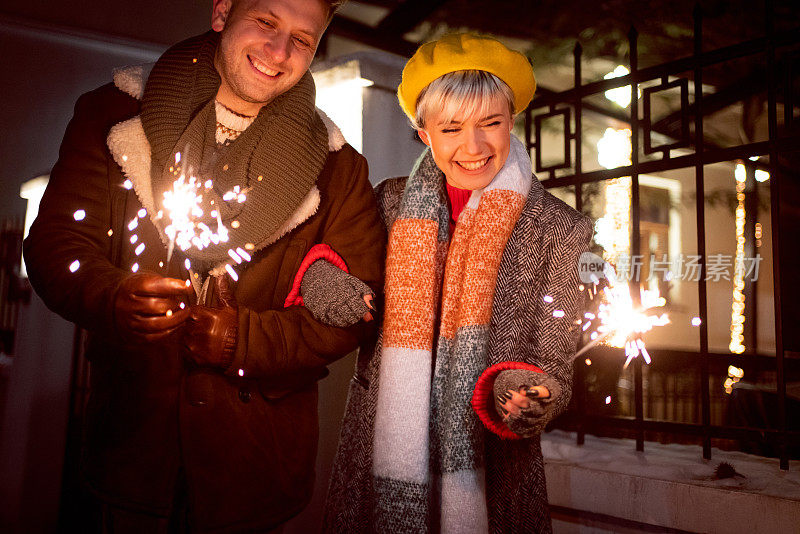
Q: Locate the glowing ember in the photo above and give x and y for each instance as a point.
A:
(234, 256)
(241, 372)
(231, 272)
(243, 254)
(608, 399)
(79, 215)
(169, 313)
(588, 361)
(74, 266)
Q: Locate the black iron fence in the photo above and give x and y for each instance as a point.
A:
(683, 145)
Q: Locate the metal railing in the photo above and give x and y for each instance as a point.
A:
(695, 152)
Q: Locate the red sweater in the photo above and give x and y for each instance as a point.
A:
(458, 199)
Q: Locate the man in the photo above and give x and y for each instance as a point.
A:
(203, 407)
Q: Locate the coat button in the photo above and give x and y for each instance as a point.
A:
(244, 395)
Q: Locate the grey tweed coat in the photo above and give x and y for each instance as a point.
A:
(541, 258)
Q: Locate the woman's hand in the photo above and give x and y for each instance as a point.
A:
(513, 403)
(334, 297)
(523, 400)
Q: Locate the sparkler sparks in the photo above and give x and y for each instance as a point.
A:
(183, 205)
(619, 322)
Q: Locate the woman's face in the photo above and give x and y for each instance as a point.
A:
(470, 150)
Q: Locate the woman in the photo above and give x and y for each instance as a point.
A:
(442, 426)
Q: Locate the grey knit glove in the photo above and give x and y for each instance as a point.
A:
(531, 420)
(332, 296)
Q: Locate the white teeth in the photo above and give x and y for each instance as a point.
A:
(473, 165)
(263, 68)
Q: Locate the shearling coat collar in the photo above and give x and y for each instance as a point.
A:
(131, 150)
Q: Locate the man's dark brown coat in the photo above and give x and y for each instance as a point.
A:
(246, 439)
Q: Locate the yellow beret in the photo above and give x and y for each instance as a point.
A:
(465, 51)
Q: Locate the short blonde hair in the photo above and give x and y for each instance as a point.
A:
(463, 92)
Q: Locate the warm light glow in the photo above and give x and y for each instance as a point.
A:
(621, 96)
(74, 266)
(736, 345)
(340, 96)
(79, 215)
(612, 231)
(696, 321)
(734, 375)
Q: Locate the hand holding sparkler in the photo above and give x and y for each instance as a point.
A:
(147, 306)
(211, 333)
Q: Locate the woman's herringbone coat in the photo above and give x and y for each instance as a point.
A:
(540, 259)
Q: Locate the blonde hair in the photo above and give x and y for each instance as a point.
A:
(463, 92)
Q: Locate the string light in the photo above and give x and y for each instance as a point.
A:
(736, 345)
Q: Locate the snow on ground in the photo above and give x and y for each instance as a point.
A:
(675, 463)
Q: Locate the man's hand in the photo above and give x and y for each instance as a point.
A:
(209, 339)
(148, 306)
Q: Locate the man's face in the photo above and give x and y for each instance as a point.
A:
(265, 48)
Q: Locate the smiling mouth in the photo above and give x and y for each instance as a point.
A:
(262, 68)
(474, 165)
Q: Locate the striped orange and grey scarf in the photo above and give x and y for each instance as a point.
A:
(428, 444)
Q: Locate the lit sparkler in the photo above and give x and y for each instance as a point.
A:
(183, 205)
(620, 322)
